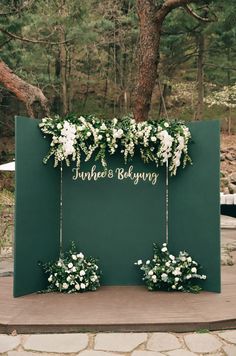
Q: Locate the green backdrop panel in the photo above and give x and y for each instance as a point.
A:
(194, 208)
(114, 219)
(37, 208)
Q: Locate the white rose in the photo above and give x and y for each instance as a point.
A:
(150, 273)
(153, 139)
(65, 286)
(194, 270)
(147, 262)
(50, 278)
(172, 257)
(77, 286)
(189, 259)
(70, 265)
(82, 273)
(74, 257)
(74, 269)
(88, 133)
(82, 286)
(164, 277)
(164, 249)
(203, 276)
(166, 124)
(80, 255)
(176, 279)
(103, 127)
(188, 276)
(173, 287)
(59, 264)
(139, 262)
(100, 137)
(68, 279)
(59, 126)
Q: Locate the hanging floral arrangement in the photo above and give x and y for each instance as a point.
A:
(160, 142)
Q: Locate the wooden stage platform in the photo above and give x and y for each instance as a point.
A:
(119, 309)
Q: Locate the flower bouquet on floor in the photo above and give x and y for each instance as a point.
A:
(73, 272)
(167, 272)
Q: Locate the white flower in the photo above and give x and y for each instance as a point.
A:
(189, 259)
(100, 137)
(188, 276)
(173, 287)
(172, 257)
(164, 277)
(77, 286)
(82, 286)
(80, 255)
(68, 278)
(176, 279)
(73, 269)
(167, 264)
(194, 270)
(150, 273)
(139, 262)
(65, 286)
(203, 276)
(177, 272)
(93, 278)
(50, 278)
(59, 126)
(59, 264)
(147, 262)
(57, 284)
(89, 134)
(164, 249)
(153, 139)
(74, 257)
(154, 278)
(82, 273)
(103, 127)
(166, 124)
(115, 121)
(70, 265)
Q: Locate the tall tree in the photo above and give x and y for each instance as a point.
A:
(151, 17)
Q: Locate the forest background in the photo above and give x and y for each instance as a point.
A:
(83, 55)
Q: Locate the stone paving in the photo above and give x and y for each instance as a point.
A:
(217, 343)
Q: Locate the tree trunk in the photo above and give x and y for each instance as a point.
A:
(30, 95)
(200, 76)
(149, 40)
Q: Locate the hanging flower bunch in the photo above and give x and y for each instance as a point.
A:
(159, 142)
(73, 272)
(167, 272)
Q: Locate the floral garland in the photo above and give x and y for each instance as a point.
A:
(167, 272)
(159, 142)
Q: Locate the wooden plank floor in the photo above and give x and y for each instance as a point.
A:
(130, 308)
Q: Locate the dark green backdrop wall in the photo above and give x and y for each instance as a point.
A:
(113, 219)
